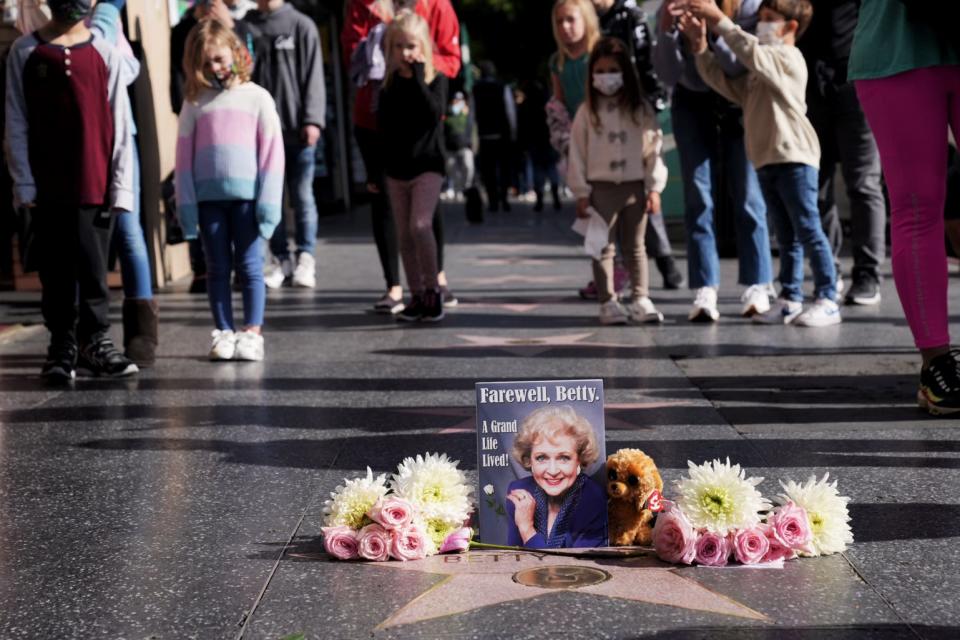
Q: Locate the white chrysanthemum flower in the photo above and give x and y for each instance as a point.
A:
(437, 531)
(434, 485)
(826, 509)
(350, 502)
(718, 497)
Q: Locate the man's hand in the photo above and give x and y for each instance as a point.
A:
(219, 11)
(582, 204)
(653, 203)
(706, 10)
(309, 135)
(695, 32)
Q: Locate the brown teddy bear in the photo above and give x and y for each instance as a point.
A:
(633, 486)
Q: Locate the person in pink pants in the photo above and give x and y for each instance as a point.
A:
(906, 66)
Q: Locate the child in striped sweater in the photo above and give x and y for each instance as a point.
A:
(229, 178)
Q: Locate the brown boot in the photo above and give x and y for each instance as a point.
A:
(140, 321)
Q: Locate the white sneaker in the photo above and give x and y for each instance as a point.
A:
(612, 312)
(704, 306)
(756, 300)
(224, 344)
(276, 273)
(249, 346)
(305, 275)
(643, 311)
(821, 313)
(782, 312)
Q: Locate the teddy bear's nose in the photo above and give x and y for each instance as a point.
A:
(617, 489)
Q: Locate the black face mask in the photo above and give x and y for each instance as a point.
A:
(70, 10)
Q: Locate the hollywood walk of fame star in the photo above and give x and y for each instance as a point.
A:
(535, 346)
(481, 579)
(514, 278)
(505, 262)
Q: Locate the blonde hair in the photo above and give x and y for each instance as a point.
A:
(212, 33)
(409, 23)
(591, 27)
(546, 423)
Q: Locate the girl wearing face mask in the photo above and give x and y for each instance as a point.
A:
(615, 167)
(229, 179)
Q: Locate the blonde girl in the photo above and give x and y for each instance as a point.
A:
(411, 109)
(229, 179)
(576, 30)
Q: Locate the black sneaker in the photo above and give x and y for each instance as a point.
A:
(101, 358)
(865, 291)
(432, 306)
(413, 311)
(61, 363)
(939, 392)
(449, 300)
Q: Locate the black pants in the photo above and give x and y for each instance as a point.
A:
(72, 249)
(372, 149)
(845, 137)
(493, 164)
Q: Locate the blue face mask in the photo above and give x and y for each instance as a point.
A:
(70, 10)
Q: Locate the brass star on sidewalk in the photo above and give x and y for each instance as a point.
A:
(480, 579)
(533, 346)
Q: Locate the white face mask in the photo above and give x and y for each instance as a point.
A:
(769, 32)
(608, 83)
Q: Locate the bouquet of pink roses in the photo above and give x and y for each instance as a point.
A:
(422, 511)
(720, 517)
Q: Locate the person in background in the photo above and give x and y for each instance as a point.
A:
(845, 137)
(288, 63)
(496, 114)
(227, 14)
(229, 179)
(74, 180)
(533, 137)
(363, 18)
(412, 105)
(905, 65)
(625, 20)
(709, 133)
(459, 128)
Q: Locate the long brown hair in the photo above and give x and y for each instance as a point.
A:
(631, 96)
(206, 33)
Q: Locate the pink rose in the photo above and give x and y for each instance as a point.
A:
(791, 527)
(674, 537)
(409, 543)
(777, 550)
(392, 513)
(457, 541)
(373, 543)
(712, 549)
(340, 542)
(750, 545)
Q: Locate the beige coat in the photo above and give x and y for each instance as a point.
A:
(621, 150)
(773, 97)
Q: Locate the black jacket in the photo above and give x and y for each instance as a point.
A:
(628, 22)
(411, 121)
(827, 41)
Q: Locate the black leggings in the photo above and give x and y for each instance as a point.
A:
(384, 231)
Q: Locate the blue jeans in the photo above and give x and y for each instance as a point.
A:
(230, 234)
(132, 247)
(704, 140)
(301, 162)
(791, 190)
